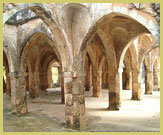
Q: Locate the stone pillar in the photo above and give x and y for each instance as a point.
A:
(91, 77)
(136, 85)
(68, 98)
(34, 87)
(62, 87)
(27, 82)
(43, 81)
(148, 81)
(18, 93)
(31, 85)
(50, 80)
(88, 79)
(128, 80)
(97, 80)
(124, 79)
(8, 86)
(74, 100)
(78, 100)
(115, 88)
(104, 80)
(37, 84)
(156, 80)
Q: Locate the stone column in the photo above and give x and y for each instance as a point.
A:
(43, 81)
(62, 87)
(37, 84)
(91, 77)
(115, 88)
(8, 86)
(67, 84)
(148, 81)
(97, 80)
(34, 85)
(18, 92)
(74, 100)
(27, 82)
(50, 80)
(128, 80)
(78, 100)
(104, 79)
(156, 80)
(136, 85)
(88, 79)
(31, 85)
(124, 79)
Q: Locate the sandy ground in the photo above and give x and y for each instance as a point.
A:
(47, 114)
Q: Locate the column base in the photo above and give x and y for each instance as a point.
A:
(33, 96)
(87, 89)
(136, 98)
(156, 89)
(126, 89)
(114, 108)
(19, 114)
(148, 93)
(19, 111)
(62, 102)
(96, 95)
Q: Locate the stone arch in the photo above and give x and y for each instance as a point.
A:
(74, 28)
(8, 56)
(6, 85)
(5, 61)
(149, 59)
(108, 42)
(127, 70)
(40, 10)
(44, 47)
(39, 29)
(146, 52)
(155, 60)
(91, 55)
(156, 74)
(35, 7)
(100, 22)
(36, 35)
(132, 49)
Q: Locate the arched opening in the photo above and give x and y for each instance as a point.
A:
(95, 70)
(38, 57)
(6, 78)
(54, 74)
(144, 77)
(156, 74)
(116, 32)
(116, 38)
(127, 71)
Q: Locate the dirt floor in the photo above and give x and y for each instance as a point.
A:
(47, 114)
